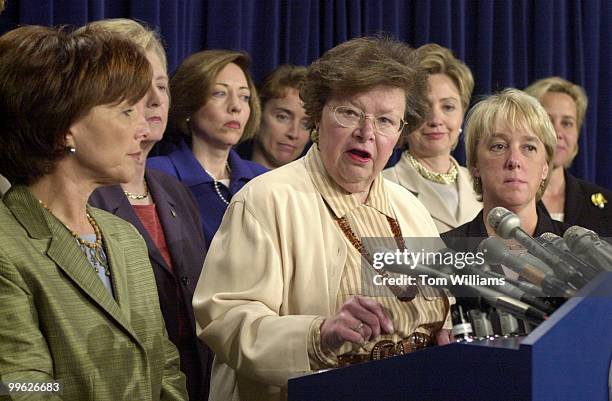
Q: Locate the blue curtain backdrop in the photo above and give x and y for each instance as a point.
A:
(505, 42)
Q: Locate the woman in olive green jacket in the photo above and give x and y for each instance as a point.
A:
(79, 308)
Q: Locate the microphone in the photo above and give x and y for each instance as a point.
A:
(508, 225)
(480, 323)
(512, 290)
(494, 298)
(557, 245)
(462, 328)
(496, 252)
(528, 287)
(587, 244)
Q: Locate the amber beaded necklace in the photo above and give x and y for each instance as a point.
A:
(404, 295)
(94, 249)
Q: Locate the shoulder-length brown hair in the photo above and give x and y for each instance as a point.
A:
(49, 79)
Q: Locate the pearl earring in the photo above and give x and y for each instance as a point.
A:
(72, 149)
(460, 130)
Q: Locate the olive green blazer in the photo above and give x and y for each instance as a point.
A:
(58, 321)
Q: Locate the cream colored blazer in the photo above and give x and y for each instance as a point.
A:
(272, 268)
(408, 177)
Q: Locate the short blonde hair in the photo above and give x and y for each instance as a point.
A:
(137, 32)
(559, 85)
(436, 59)
(191, 85)
(517, 110)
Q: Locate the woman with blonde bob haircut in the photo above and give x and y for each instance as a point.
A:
(567, 198)
(426, 167)
(214, 107)
(510, 145)
(150, 202)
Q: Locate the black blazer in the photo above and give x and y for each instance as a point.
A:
(581, 210)
(180, 219)
(458, 238)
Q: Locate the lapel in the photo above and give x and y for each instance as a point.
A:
(410, 179)
(63, 250)
(170, 221)
(574, 198)
(116, 203)
(468, 205)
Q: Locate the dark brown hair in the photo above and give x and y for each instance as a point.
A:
(49, 79)
(283, 77)
(361, 64)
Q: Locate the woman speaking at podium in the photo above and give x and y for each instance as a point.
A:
(280, 289)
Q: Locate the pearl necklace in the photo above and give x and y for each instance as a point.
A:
(440, 178)
(93, 248)
(134, 196)
(216, 183)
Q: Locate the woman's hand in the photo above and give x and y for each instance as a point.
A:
(444, 336)
(359, 320)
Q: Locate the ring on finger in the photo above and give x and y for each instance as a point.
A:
(359, 326)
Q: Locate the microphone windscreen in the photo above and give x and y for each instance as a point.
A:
(503, 221)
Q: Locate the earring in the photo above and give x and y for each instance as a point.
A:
(314, 135)
(188, 120)
(543, 185)
(460, 131)
(72, 150)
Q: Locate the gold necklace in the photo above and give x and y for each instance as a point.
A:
(93, 248)
(134, 196)
(440, 178)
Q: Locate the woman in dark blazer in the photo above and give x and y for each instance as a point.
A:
(79, 306)
(567, 198)
(165, 213)
(510, 144)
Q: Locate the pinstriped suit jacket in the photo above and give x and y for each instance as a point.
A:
(58, 322)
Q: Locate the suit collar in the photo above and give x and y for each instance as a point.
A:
(116, 203)
(409, 178)
(572, 203)
(170, 222)
(63, 250)
(28, 212)
(191, 172)
(476, 228)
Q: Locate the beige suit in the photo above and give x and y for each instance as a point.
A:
(272, 268)
(407, 176)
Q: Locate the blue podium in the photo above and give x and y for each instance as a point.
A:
(565, 358)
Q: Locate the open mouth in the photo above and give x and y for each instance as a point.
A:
(360, 155)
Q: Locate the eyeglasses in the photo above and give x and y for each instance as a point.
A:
(351, 117)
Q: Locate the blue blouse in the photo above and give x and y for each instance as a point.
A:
(183, 165)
